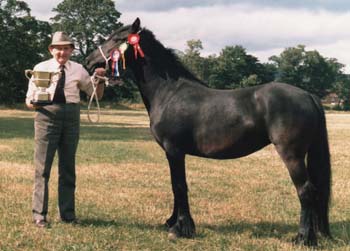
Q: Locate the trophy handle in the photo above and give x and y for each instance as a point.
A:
(26, 73)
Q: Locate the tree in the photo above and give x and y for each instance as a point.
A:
(198, 65)
(341, 85)
(24, 42)
(307, 70)
(88, 22)
(235, 68)
(342, 89)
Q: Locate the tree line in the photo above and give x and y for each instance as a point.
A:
(235, 68)
(25, 41)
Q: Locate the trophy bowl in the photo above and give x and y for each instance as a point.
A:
(42, 81)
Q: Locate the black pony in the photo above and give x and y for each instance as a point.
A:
(187, 117)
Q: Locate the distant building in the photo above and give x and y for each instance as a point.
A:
(332, 100)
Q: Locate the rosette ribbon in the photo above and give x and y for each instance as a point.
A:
(134, 39)
(115, 56)
(122, 48)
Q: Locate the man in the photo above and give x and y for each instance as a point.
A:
(57, 128)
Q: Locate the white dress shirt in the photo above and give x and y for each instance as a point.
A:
(77, 78)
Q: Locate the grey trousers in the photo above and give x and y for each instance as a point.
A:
(56, 129)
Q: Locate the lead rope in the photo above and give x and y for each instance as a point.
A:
(94, 81)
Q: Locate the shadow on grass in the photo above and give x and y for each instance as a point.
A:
(279, 230)
(257, 230)
(11, 127)
(113, 223)
(261, 230)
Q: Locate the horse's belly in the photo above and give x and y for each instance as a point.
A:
(228, 148)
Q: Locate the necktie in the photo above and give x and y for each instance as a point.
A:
(59, 97)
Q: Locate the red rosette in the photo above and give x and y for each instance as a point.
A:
(134, 39)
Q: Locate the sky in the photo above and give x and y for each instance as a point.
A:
(263, 27)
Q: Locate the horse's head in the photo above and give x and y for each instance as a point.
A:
(118, 39)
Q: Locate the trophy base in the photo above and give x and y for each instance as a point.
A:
(41, 102)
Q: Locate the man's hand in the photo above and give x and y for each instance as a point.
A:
(100, 72)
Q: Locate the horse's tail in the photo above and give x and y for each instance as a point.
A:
(319, 169)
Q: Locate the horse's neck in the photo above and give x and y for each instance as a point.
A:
(152, 86)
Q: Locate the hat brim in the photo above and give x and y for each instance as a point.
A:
(62, 43)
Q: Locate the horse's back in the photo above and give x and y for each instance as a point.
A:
(281, 100)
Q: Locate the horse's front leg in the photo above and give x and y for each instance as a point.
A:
(180, 223)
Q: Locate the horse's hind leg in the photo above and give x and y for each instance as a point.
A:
(295, 163)
(181, 222)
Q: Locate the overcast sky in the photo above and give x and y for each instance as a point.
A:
(263, 27)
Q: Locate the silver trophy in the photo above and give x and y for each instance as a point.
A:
(42, 80)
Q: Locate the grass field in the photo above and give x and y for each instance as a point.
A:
(124, 193)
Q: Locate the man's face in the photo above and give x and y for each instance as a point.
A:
(61, 53)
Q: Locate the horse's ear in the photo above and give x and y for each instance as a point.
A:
(135, 27)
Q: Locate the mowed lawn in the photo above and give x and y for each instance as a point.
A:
(124, 194)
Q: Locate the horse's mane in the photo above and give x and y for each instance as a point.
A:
(165, 61)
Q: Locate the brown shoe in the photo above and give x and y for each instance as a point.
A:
(41, 223)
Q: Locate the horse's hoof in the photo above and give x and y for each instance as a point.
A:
(302, 239)
(184, 227)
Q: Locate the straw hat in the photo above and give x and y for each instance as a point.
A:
(61, 38)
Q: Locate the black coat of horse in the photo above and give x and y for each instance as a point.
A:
(187, 117)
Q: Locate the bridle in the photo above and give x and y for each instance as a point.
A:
(122, 47)
(95, 78)
(104, 57)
